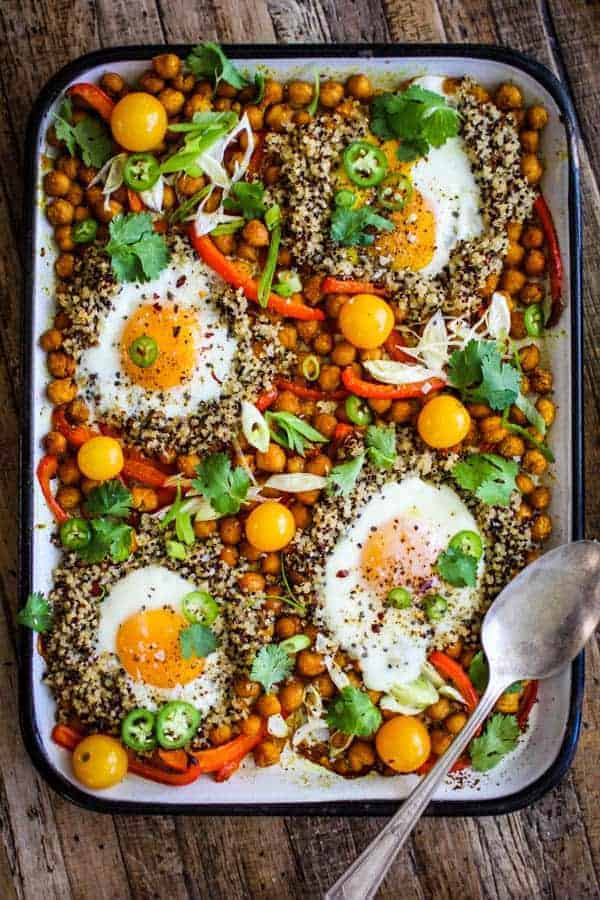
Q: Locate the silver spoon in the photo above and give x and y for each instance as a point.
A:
(535, 627)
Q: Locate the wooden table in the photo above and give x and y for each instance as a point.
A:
(49, 848)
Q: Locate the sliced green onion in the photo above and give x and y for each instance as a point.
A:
(228, 227)
(522, 432)
(295, 644)
(273, 223)
(311, 367)
(259, 81)
(311, 109)
(255, 427)
(399, 598)
(345, 199)
(435, 607)
(175, 550)
(182, 211)
(288, 283)
(531, 413)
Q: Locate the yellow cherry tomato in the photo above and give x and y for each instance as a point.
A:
(100, 458)
(139, 122)
(270, 526)
(403, 743)
(443, 422)
(366, 321)
(99, 761)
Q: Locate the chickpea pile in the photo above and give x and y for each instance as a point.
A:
(323, 350)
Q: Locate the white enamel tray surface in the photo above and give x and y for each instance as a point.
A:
(299, 782)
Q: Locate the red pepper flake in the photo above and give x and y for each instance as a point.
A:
(375, 628)
(342, 573)
(96, 589)
(181, 281)
(215, 377)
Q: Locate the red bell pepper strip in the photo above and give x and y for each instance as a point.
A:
(527, 701)
(76, 435)
(66, 736)
(216, 758)
(94, 97)
(363, 388)
(449, 668)
(459, 765)
(136, 204)
(333, 285)
(306, 393)
(228, 770)
(555, 266)
(236, 276)
(174, 759)
(47, 469)
(393, 347)
(144, 472)
(341, 432)
(266, 399)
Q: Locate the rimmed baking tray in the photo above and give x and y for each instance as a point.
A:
(547, 752)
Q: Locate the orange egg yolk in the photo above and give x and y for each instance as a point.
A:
(400, 553)
(175, 331)
(149, 651)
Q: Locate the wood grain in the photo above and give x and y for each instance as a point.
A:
(49, 848)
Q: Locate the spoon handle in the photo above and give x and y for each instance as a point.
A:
(361, 880)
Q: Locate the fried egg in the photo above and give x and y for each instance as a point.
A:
(395, 542)
(140, 622)
(444, 207)
(194, 349)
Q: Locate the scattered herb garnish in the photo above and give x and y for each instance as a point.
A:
(205, 129)
(111, 498)
(109, 539)
(348, 226)
(381, 445)
(342, 478)
(421, 119)
(210, 61)
(531, 413)
(184, 209)
(36, 614)
(479, 672)
(137, 252)
(273, 223)
(224, 486)
(247, 196)
(457, 568)
(480, 375)
(501, 736)
(89, 134)
(489, 477)
(271, 665)
(353, 712)
(178, 513)
(292, 432)
(175, 550)
(197, 640)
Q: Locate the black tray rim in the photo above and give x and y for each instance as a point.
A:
(26, 639)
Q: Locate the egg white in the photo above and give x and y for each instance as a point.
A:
(395, 651)
(445, 179)
(154, 587)
(188, 283)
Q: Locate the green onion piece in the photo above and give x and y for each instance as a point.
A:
(175, 550)
(531, 413)
(311, 367)
(182, 211)
(358, 411)
(311, 109)
(400, 598)
(259, 81)
(534, 320)
(228, 227)
(295, 644)
(345, 199)
(273, 223)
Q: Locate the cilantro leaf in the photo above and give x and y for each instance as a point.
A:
(491, 478)
(348, 226)
(500, 737)
(178, 513)
(480, 375)
(62, 126)
(90, 135)
(36, 614)
(109, 540)
(208, 59)
(479, 672)
(223, 486)
(197, 640)
(419, 118)
(353, 712)
(457, 568)
(292, 432)
(342, 478)
(111, 498)
(137, 253)
(271, 665)
(259, 83)
(381, 445)
(247, 196)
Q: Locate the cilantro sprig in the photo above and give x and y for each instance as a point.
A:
(342, 478)
(479, 672)
(210, 61)
(490, 477)
(271, 665)
(247, 196)
(353, 712)
(457, 567)
(481, 376)
(224, 486)
(348, 226)
(36, 614)
(197, 640)
(501, 736)
(292, 432)
(111, 498)
(89, 135)
(109, 539)
(137, 252)
(205, 129)
(381, 445)
(421, 119)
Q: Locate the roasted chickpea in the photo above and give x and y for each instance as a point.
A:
(144, 499)
(252, 583)
(278, 116)
(439, 710)
(204, 529)
(300, 93)
(271, 461)
(294, 464)
(68, 497)
(55, 443)
(68, 472)
(287, 626)
(541, 528)
(81, 213)
(531, 293)
(535, 462)
(525, 484)
(309, 663)
(332, 93)
(540, 497)
(319, 465)
(63, 390)
(514, 255)
(302, 515)
(492, 430)
(401, 411)
(456, 722)
(323, 344)
(325, 424)
(60, 212)
(533, 237)
(78, 411)
(324, 685)
(379, 405)
(478, 410)
(514, 231)
(197, 103)
(112, 83)
(186, 464)
(106, 212)
(151, 83)
(307, 330)
(87, 485)
(517, 324)
(312, 289)
(255, 117)
(535, 263)
(267, 753)
(512, 281)
(359, 87)
(226, 243)
(183, 83)
(249, 552)
(361, 756)
(541, 381)
(60, 364)
(529, 357)
(343, 354)
(189, 186)
(246, 251)
(87, 174)
(56, 183)
(273, 92)
(508, 703)
(537, 117)
(51, 340)
(271, 564)
(508, 96)
(546, 409)
(334, 304)
(288, 336)
(512, 446)
(251, 726)
(172, 100)
(75, 196)
(440, 741)
(230, 530)
(287, 402)
(229, 555)
(272, 174)
(329, 378)
(530, 140)
(531, 168)
(268, 705)
(166, 65)
(220, 734)
(291, 696)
